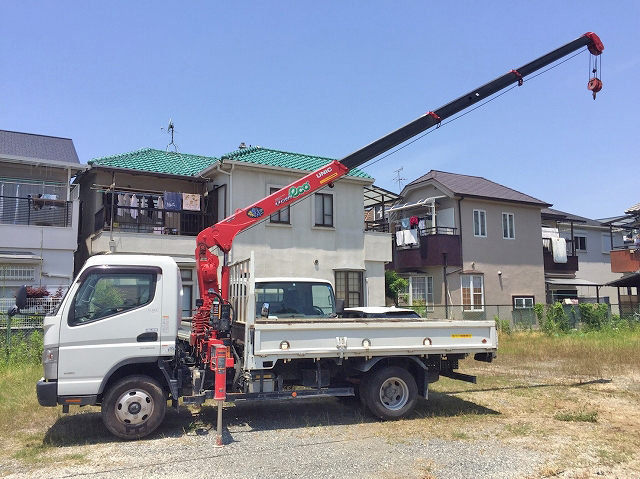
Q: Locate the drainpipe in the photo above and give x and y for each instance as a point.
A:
(68, 183)
(460, 228)
(446, 287)
(229, 174)
(228, 257)
(112, 243)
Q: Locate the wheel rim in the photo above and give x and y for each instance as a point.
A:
(394, 393)
(134, 407)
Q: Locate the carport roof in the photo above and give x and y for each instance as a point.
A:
(629, 280)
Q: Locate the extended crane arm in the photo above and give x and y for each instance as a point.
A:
(432, 118)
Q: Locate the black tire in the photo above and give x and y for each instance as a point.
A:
(134, 407)
(390, 393)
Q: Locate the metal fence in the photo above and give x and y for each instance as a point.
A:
(35, 211)
(30, 317)
(517, 318)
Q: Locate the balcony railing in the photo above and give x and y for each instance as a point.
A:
(550, 266)
(152, 221)
(379, 226)
(435, 246)
(625, 259)
(35, 211)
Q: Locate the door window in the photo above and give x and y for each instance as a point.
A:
(104, 294)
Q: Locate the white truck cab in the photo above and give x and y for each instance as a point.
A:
(120, 313)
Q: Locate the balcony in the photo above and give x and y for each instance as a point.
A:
(625, 260)
(43, 210)
(152, 221)
(430, 249)
(551, 267)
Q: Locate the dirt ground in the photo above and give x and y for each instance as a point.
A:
(516, 422)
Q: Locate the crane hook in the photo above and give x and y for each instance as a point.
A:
(594, 85)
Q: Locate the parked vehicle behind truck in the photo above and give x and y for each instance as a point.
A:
(115, 340)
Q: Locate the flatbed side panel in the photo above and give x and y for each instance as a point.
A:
(293, 340)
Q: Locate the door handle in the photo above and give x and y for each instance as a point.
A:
(147, 337)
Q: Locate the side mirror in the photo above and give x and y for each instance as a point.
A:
(21, 301)
(264, 312)
(340, 306)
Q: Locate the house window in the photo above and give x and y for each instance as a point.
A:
(324, 209)
(523, 302)
(187, 292)
(508, 226)
(480, 223)
(281, 216)
(349, 288)
(472, 293)
(16, 272)
(419, 291)
(580, 242)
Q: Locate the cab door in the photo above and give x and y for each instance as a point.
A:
(114, 318)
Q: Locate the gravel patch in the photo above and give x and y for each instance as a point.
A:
(282, 441)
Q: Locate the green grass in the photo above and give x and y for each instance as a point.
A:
(594, 354)
(580, 416)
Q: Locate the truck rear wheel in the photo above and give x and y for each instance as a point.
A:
(390, 393)
(134, 407)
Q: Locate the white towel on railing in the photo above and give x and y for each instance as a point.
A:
(400, 238)
(411, 236)
(559, 249)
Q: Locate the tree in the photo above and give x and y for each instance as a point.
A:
(394, 285)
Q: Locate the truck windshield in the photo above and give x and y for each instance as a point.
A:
(295, 299)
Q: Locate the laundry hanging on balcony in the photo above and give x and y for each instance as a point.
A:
(172, 201)
(400, 238)
(410, 237)
(190, 201)
(559, 250)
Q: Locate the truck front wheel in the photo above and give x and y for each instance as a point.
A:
(390, 393)
(134, 407)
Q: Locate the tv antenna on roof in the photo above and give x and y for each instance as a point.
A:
(398, 178)
(170, 129)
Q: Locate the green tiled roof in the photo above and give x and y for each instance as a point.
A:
(157, 161)
(284, 159)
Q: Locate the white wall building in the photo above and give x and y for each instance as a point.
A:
(39, 211)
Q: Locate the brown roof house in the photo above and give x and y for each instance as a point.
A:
(469, 247)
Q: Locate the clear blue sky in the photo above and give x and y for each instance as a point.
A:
(327, 77)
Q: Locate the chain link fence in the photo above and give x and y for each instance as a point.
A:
(518, 319)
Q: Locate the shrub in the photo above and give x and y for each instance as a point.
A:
(39, 292)
(22, 349)
(594, 316)
(502, 325)
(556, 321)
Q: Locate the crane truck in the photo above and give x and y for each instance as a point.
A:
(116, 338)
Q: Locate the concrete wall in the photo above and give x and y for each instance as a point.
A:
(520, 260)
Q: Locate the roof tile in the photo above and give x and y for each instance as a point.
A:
(284, 159)
(157, 161)
(464, 185)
